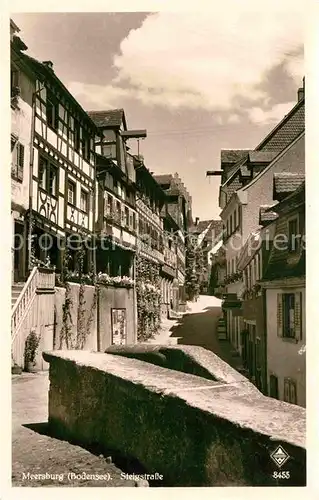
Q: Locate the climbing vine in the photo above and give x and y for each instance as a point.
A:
(193, 269)
(148, 295)
(83, 326)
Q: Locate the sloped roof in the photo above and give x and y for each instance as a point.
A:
(292, 125)
(267, 214)
(287, 130)
(202, 225)
(261, 156)
(285, 183)
(292, 200)
(44, 71)
(107, 118)
(163, 179)
(232, 155)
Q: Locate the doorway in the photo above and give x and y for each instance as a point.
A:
(18, 252)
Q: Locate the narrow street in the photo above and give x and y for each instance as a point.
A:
(199, 327)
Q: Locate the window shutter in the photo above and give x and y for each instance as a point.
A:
(298, 319)
(279, 314)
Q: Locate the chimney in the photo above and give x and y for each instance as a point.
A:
(196, 221)
(48, 64)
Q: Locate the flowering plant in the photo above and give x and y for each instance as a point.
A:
(105, 279)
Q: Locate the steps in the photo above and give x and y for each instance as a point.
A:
(221, 329)
(16, 289)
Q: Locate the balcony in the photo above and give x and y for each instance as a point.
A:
(146, 247)
(170, 258)
(141, 205)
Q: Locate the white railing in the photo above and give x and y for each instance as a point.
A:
(23, 302)
(39, 279)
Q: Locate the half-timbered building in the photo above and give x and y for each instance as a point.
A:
(62, 169)
(116, 218)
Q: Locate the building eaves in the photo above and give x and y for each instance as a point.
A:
(43, 71)
(280, 155)
(261, 156)
(111, 118)
(267, 214)
(296, 126)
(285, 183)
(163, 179)
(233, 155)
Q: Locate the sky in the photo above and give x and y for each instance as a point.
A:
(198, 82)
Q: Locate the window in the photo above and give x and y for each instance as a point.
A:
(53, 175)
(293, 240)
(85, 145)
(290, 391)
(14, 82)
(17, 160)
(126, 216)
(48, 176)
(109, 150)
(288, 315)
(84, 201)
(52, 111)
(77, 136)
(118, 210)
(43, 166)
(235, 219)
(109, 204)
(231, 224)
(134, 221)
(71, 192)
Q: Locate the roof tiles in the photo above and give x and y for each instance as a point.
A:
(287, 182)
(108, 118)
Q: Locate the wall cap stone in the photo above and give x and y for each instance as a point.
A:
(233, 402)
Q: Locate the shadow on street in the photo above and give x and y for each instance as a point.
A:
(200, 329)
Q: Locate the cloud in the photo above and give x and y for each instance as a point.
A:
(260, 116)
(215, 60)
(97, 96)
(233, 118)
(209, 59)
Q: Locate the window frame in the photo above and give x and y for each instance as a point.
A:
(86, 193)
(288, 331)
(293, 219)
(70, 182)
(290, 385)
(45, 184)
(17, 159)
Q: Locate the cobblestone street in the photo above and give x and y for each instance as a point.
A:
(34, 452)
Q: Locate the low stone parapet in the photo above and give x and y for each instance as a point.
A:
(192, 430)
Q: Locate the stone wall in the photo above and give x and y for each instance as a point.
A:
(193, 431)
(97, 337)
